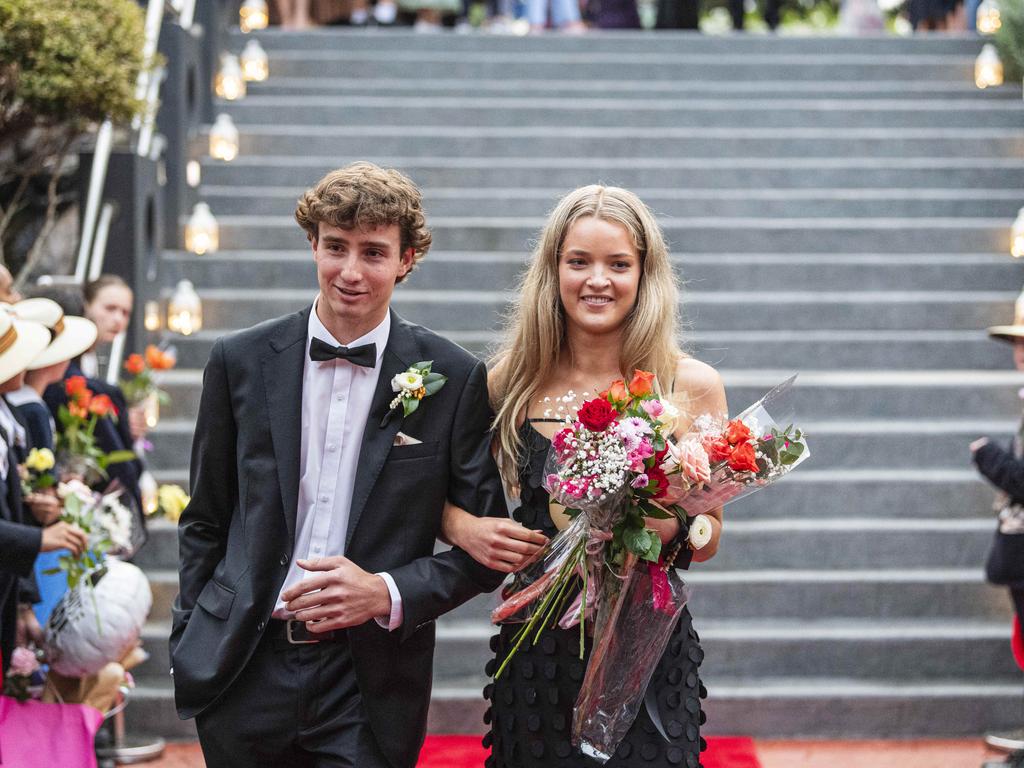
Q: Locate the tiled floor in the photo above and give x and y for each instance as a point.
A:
(784, 754)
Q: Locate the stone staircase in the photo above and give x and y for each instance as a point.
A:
(838, 207)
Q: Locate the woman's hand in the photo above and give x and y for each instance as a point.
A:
(45, 507)
(497, 543)
(137, 422)
(64, 536)
(666, 529)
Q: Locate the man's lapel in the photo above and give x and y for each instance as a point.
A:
(282, 380)
(379, 434)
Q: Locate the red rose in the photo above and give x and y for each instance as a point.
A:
(642, 383)
(718, 449)
(101, 406)
(597, 414)
(737, 432)
(656, 476)
(743, 458)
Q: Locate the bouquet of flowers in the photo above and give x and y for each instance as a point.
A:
(24, 678)
(37, 471)
(171, 501)
(76, 440)
(140, 387)
(614, 467)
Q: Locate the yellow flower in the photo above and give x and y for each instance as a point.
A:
(40, 459)
(172, 500)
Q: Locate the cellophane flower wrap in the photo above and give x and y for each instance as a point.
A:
(614, 467)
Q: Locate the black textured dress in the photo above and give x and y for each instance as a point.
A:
(531, 705)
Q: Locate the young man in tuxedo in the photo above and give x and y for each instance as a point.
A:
(303, 634)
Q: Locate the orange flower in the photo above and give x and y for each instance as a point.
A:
(617, 392)
(159, 360)
(101, 406)
(737, 432)
(78, 411)
(642, 383)
(135, 364)
(743, 458)
(717, 449)
(75, 385)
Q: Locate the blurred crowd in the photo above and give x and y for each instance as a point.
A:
(577, 16)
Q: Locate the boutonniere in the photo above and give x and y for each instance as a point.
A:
(415, 384)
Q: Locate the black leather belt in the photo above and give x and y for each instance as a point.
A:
(292, 632)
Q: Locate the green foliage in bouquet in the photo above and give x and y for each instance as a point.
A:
(1009, 39)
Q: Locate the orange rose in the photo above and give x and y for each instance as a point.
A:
(78, 411)
(737, 432)
(617, 392)
(153, 356)
(743, 458)
(75, 385)
(717, 449)
(101, 406)
(642, 383)
(135, 364)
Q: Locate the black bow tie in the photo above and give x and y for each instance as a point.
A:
(365, 355)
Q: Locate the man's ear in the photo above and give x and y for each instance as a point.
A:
(408, 259)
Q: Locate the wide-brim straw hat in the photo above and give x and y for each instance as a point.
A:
(21, 341)
(71, 336)
(1011, 333)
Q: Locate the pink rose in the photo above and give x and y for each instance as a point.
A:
(692, 460)
(23, 662)
(653, 408)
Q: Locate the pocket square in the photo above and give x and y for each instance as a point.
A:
(403, 439)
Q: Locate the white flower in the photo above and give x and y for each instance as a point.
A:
(669, 416)
(700, 532)
(409, 381)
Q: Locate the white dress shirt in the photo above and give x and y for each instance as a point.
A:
(14, 431)
(336, 399)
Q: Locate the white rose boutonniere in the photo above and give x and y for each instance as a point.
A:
(415, 384)
(700, 532)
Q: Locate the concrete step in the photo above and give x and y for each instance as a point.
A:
(977, 399)
(900, 90)
(946, 538)
(951, 594)
(899, 651)
(679, 203)
(824, 707)
(342, 139)
(809, 494)
(799, 310)
(744, 170)
(646, 114)
(609, 42)
(502, 270)
(796, 350)
(590, 64)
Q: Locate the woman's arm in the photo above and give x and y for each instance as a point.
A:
(699, 388)
(502, 545)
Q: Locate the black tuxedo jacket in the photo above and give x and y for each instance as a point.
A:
(237, 535)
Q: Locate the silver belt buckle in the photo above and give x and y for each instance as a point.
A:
(292, 640)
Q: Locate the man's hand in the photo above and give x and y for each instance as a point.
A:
(339, 594)
(28, 629)
(978, 444)
(137, 422)
(64, 536)
(45, 507)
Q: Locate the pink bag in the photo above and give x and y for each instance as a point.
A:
(34, 734)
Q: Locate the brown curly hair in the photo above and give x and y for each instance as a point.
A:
(364, 196)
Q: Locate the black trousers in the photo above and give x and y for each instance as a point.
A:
(293, 705)
(1018, 603)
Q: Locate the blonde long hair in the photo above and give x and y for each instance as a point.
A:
(535, 331)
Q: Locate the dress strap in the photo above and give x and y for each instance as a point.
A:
(544, 421)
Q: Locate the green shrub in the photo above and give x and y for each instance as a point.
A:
(1009, 39)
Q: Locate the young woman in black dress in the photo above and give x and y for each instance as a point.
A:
(599, 299)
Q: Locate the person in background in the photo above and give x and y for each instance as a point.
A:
(294, 14)
(21, 543)
(8, 293)
(108, 304)
(1003, 467)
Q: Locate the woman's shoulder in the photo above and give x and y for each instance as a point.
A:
(692, 375)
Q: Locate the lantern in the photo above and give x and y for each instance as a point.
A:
(255, 67)
(185, 310)
(202, 233)
(253, 15)
(988, 69)
(229, 83)
(224, 139)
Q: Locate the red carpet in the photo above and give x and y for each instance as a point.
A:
(466, 752)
